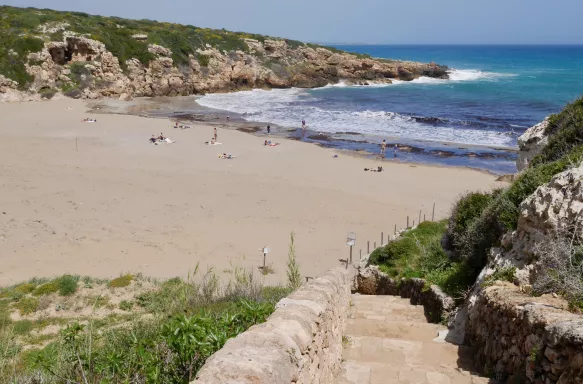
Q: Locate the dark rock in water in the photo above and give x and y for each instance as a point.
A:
(408, 148)
(429, 120)
(319, 136)
(249, 129)
(436, 152)
(506, 178)
(349, 133)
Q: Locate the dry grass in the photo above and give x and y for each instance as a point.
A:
(560, 268)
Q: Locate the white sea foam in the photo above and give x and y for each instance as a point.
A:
(288, 107)
(474, 75)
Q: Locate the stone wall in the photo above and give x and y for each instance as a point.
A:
(301, 342)
(523, 339)
(437, 305)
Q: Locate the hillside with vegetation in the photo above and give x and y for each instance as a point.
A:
(529, 233)
(131, 329)
(45, 51)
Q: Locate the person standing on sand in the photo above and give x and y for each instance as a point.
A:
(395, 151)
(383, 148)
(215, 133)
(268, 129)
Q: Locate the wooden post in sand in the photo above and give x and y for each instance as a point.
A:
(360, 254)
(375, 245)
(395, 233)
(407, 221)
(382, 238)
(433, 213)
(413, 224)
(419, 222)
(367, 246)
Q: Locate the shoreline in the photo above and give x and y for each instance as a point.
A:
(98, 199)
(496, 160)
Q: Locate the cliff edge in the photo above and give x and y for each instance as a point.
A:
(45, 52)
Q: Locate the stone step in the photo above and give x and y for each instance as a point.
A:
(390, 341)
(404, 352)
(357, 372)
(404, 313)
(406, 330)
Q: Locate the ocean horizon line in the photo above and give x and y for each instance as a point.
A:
(453, 44)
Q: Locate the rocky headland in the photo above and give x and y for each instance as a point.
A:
(91, 57)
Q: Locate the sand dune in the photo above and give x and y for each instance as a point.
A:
(120, 204)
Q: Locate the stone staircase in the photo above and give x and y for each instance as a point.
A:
(389, 341)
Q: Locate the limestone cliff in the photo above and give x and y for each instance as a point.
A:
(126, 58)
(531, 144)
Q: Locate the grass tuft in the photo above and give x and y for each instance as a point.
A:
(120, 282)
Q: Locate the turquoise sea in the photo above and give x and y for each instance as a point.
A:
(473, 119)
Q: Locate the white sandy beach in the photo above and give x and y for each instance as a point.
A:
(120, 204)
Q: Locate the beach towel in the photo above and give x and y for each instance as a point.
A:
(169, 141)
(209, 143)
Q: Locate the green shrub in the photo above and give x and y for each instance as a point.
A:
(67, 285)
(120, 282)
(203, 60)
(46, 289)
(25, 288)
(500, 274)
(467, 209)
(22, 327)
(566, 132)
(27, 305)
(125, 305)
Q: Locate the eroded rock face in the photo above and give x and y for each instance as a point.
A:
(531, 144)
(554, 208)
(269, 64)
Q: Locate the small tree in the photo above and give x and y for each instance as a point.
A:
(294, 279)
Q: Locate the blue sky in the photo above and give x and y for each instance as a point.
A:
(361, 21)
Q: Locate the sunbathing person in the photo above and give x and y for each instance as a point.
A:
(153, 139)
(161, 137)
(226, 156)
(270, 144)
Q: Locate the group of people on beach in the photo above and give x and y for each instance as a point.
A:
(384, 149)
(159, 139)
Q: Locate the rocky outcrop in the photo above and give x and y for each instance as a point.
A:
(523, 339)
(554, 208)
(84, 68)
(531, 144)
(301, 342)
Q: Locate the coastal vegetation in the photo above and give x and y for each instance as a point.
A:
(128, 329)
(418, 254)
(24, 30)
(452, 253)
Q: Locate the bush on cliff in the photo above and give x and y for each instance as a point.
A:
(560, 258)
(566, 133)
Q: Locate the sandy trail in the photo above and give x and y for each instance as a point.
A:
(120, 204)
